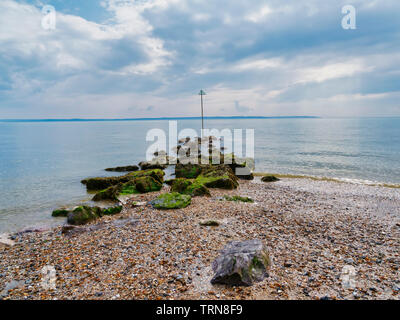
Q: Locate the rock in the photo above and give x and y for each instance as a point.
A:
(209, 223)
(13, 284)
(269, 179)
(60, 212)
(189, 171)
(241, 171)
(241, 263)
(123, 169)
(220, 176)
(238, 199)
(145, 165)
(192, 188)
(111, 211)
(83, 214)
(68, 230)
(150, 182)
(6, 241)
(102, 183)
(172, 200)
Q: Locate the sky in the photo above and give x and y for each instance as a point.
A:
(150, 58)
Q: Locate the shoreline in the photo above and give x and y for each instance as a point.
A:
(87, 199)
(312, 228)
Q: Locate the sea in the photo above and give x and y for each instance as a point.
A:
(43, 162)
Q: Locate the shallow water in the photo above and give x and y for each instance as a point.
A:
(42, 163)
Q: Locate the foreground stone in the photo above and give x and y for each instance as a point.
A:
(173, 200)
(241, 263)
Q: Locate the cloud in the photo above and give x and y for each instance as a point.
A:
(280, 58)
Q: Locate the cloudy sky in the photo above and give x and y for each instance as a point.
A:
(150, 58)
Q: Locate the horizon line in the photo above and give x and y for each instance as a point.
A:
(158, 118)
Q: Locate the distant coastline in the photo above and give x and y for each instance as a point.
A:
(160, 118)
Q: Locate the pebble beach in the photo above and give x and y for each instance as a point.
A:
(315, 232)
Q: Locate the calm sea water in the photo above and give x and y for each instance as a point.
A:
(42, 163)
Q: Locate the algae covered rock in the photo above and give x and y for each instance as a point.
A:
(269, 179)
(83, 214)
(111, 211)
(173, 200)
(190, 187)
(102, 183)
(241, 263)
(189, 171)
(137, 185)
(60, 212)
(145, 165)
(220, 176)
(147, 184)
(123, 169)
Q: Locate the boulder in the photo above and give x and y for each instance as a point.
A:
(62, 212)
(146, 165)
(173, 200)
(241, 263)
(102, 183)
(218, 176)
(269, 179)
(123, 169)
(138, 185)
(83, 214)
(190, 187)
(189, 171)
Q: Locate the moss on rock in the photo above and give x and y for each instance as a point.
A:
(189, 171)
(60, 213)
(83, 214)
(111, 211)
(190, 187)
(173, 200)
(102, 183)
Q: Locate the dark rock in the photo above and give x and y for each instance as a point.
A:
(139, 182)
(189, 171)
(241, 263)
(172, 200)
(146, 165)
(269, 179)
(209, 223)
(83, 214)
(192, 188)
(123, 169)
(60, 212)
(218, 176)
